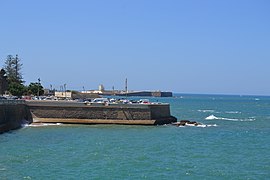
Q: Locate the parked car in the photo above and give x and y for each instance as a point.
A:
(2, 98)
(144, 101)
(100, 101)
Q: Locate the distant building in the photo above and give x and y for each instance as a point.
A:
(63, 95)
(101, 91)
(101, 87)
(49, 92)
(75, 95)
(3, 82)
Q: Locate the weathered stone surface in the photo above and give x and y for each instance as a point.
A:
(12, 116)
(45, 110)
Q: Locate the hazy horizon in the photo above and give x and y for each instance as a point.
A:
(193, 47)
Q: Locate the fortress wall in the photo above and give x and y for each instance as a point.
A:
(113, 113)
(89, 112)
(13, 115)
(160, 111)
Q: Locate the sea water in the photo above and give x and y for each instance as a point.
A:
(233, 143)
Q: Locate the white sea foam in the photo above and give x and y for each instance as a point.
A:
(212, 117)
(233, 112)
(248, 119)
(202, 126)
(2, 169)
(211, 125)
(206, 125)
(199, 126)
(25, 125)
(44, 124)
(206, 110)
(190, 124)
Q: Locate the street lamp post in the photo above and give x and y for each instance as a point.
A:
(65, 91)
(38, 86)
(126, 87)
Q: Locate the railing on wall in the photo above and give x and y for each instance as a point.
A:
(7, 101)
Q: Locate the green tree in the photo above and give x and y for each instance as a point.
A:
(13, 68)
(16, 89)
(35, 89)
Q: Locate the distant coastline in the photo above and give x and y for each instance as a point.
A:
(139, 93)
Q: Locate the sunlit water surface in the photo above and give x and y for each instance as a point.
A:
(234, 145)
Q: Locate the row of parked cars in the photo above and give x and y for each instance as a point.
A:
(87, 101)
(8, 98)
(117, 101)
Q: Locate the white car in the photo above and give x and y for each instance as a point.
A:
(100, 100)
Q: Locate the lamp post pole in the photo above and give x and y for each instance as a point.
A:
(126, 87)
(65, 91)
(38, 86)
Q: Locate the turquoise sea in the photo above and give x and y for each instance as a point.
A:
(235, 144)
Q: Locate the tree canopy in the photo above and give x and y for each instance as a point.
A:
(16, 89)
(35, 89)
(13, 75)
(13, 67)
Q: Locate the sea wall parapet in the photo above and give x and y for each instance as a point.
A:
(73, 112)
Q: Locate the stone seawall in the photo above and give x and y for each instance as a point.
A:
(70, 112)
(13, 114)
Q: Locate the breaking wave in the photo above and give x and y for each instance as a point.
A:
(44, 124)
(212, 117)
(213, 111)
(199, 126)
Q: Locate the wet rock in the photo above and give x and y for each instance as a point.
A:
(187, 122)
(184, 122)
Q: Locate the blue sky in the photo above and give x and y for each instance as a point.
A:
(194, 46)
